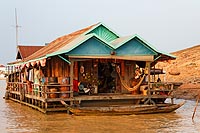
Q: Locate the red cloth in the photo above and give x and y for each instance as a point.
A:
(75, 85)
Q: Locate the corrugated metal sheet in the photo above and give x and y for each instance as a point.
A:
(120, 41)
(124, 40)
(104, 33)
(71, 45)
(76, 42)
(25, 51)
(92, 47)
(57, 44)
(134, 47)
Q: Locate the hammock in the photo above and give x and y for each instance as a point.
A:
(129, 88)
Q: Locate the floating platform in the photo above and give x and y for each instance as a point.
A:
(42, 100)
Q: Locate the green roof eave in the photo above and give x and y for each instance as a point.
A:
(64, 59)
(87, 37)
(156, 50)
(147, 43)
(167, 54)
(40, 58)
(24, 62)
(15, 64)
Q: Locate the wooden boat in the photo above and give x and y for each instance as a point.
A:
(126, 110)
(163, 108)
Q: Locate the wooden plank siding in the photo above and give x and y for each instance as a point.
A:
(57, 67)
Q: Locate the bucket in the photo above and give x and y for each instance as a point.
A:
(63, 89)
(53, 95)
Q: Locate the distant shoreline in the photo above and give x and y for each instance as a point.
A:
(189, 93)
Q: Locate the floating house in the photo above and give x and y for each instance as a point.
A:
(93, 66)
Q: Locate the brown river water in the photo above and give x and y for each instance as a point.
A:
(17, 118)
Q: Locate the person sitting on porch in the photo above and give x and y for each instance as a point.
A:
(135, 80)
(37, 78)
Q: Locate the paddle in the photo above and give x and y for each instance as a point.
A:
(196, 106)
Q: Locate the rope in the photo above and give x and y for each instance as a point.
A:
(129, 88)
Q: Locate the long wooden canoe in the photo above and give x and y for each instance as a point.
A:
(126, 110)
(163, 108)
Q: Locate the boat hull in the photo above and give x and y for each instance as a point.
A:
(126, 110)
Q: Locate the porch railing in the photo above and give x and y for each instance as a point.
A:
(61, 91)
(161, 88)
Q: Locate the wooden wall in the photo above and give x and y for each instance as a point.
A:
(56, 67)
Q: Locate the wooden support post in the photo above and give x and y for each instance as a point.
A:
(45, 96)
(7, 84)
(42, 105)
(122, 68)
(154, 77)
(39, 85)
(172, 91)
(76, 70)
(71, 80)
(12, 76)
(148, 77)
(20, 79)
(149, 100)
(15, 74)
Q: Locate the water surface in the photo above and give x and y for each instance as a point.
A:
(17, 118)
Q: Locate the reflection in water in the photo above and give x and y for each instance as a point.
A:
(17, 118)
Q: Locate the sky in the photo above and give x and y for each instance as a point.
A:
(168, 25)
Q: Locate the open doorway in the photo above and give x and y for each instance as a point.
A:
(107, 76)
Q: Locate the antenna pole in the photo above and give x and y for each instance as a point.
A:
(16, 27)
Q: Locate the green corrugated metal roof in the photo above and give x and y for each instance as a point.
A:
(123, 40)
(104, 33)
(75, 43)
(91, 47)
(101, 32)
(101, 24)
